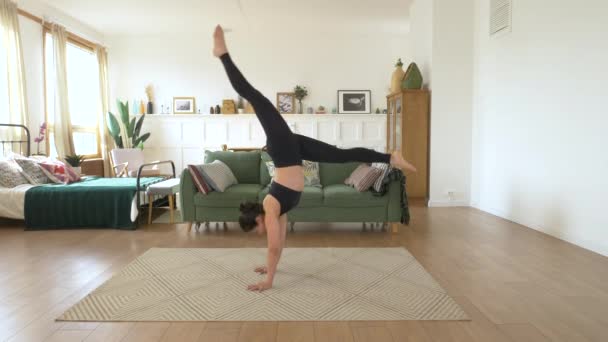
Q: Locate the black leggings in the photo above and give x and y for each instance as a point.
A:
(284, 147)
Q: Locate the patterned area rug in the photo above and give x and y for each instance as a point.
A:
(312, 284)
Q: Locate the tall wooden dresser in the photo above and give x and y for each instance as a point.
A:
(407, 130)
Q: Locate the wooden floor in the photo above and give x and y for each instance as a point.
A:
(516, 284)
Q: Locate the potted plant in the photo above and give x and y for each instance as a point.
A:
(300, 93)
(75, 161)
(127, 135)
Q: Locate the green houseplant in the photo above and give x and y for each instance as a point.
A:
(300, 93)
(75, 161)
(127, 135)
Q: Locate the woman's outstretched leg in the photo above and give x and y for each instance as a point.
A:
(272, 122)
(315, 150)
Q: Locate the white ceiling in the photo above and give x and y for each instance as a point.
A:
(142, 17)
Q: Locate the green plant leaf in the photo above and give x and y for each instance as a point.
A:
(131, 128)
(124, 114)
(140, 122)
(141, 139)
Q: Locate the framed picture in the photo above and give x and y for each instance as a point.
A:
(354, 101)
(183, 105)
(286, 103)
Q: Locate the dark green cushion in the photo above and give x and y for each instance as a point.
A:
(264, 175)
(244, 165)
(311, 197)
(335, 173)
(344, 196)
(232, 197)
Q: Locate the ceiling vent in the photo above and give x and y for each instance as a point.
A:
(500, 16)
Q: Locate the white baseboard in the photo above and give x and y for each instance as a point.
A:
(439, 204)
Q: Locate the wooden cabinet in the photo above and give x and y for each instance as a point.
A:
(407, 130)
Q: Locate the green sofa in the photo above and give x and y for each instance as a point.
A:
(333, 202)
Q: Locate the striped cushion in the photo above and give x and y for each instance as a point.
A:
(218, 175)
(363, 177)
(199, 181)
(31, 171)
(385, 168)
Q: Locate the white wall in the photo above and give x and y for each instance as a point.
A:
(540, 142)
(442, 44)
(182, 65)
(421, 33)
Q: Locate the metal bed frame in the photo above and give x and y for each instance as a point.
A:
(20, 143)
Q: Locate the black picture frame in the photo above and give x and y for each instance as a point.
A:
(354, 101)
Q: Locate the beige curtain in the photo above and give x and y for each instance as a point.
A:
(64, 142)
(106, 140)
(17, 97)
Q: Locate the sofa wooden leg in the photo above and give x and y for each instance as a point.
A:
(395, 228)
(190, 224)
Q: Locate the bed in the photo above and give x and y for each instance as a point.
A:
(95, 202)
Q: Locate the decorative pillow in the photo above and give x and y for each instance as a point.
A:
(32, 172)
(363, 177)
(199, 180)
(218, 175)
(55, 171)
(71, 173)
(10, 174)
(385, 168)
(311, 172)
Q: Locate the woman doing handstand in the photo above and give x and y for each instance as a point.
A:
(287, 151)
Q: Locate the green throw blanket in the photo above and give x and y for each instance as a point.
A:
(91, 203)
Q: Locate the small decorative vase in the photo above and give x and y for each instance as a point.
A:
(150, 108)
(310, 110)
(218, 110)
(412, 78)
(397, 77)
(211, 110)
(300, 108)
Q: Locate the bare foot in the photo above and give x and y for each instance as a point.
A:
(400, 163)
(219, 44)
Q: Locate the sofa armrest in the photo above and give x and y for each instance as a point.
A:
(394, 201)
(187, 191)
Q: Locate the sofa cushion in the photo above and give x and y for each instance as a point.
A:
(344, 196)
(363, 177)
(311, 197)
(244, 165)
(232, 197)
(335, 173)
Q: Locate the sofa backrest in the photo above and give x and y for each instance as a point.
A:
(244, 165)
(335, 173)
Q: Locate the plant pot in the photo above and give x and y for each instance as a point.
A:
(77, 169)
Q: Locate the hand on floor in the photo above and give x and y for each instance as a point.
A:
(261, 286)
(261, 270)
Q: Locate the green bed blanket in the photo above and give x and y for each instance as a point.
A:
(91, 203)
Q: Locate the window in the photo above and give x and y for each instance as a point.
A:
(83, 96)
(4, 108)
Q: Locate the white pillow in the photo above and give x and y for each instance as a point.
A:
(10, 174)
(218, 175)
(311, 172)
